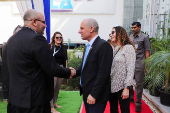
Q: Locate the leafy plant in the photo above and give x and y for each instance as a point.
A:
(153, 82)
(159, 64)
(63, 87)
(72, 53)
(158, 44)
(75, 62)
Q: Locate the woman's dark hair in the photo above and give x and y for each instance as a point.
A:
(110, 42)
(123, 36)
(52, 38)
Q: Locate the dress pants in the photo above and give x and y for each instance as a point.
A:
(34, 109)
(124, 104)
(10, 108)
(94, 108)
(57, 83)
(139, 76)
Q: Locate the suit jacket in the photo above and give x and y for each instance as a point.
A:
(30, 68)
(95, 76)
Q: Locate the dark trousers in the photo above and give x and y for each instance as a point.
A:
(139, 76)
(94, 108)
(131, 92)
(35, 109)
(10, 108)
(124, 104)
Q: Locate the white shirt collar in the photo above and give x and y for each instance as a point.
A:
(92, 40)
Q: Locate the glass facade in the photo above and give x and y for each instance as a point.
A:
(154, 16)
(133, 10)
(128, 15)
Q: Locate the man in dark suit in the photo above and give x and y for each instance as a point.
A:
(30, 67)
(95, 69)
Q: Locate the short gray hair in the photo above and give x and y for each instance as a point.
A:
(93, 23)
(31, 14)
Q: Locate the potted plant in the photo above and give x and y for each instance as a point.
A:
(154, 83)
(159, 63)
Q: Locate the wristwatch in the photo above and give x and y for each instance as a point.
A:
(128, 87)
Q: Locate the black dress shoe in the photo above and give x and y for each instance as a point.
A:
(131, 100)
(138, 109)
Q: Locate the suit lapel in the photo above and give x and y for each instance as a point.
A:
(91, 48)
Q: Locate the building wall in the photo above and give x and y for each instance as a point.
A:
(133, 10)
(10, 18)
(154, 16)
(108, 14)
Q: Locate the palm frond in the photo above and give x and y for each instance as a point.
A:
(158, 44)
(156, 64)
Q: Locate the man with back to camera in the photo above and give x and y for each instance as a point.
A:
(142, 45)
(30, 67)
(95, 69)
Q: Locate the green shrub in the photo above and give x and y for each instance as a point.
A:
(75, 63)
(69, 88)
(63, 87)
(158, 64)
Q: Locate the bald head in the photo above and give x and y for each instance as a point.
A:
(92, 23)
(30, 14)
(34, 20)
(88, 29)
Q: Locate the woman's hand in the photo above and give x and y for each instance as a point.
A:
(125, 93)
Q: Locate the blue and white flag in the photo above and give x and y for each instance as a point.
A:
(44, 7)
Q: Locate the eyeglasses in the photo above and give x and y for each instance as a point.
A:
(113, 32)
(38, 20)
(58, 37)
(41, 21)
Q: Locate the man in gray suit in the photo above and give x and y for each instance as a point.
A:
(142, 45)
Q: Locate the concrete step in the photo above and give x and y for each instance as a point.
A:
(156, 102)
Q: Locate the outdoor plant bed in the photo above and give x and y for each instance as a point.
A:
(158, 66)
(155, 92)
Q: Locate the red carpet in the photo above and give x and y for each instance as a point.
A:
(144, 108)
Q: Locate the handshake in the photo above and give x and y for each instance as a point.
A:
(73, 72)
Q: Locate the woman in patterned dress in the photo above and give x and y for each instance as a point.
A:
(122, 70)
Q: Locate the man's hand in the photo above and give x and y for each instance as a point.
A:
(73, 72)
(125, 93)
(91, 100)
